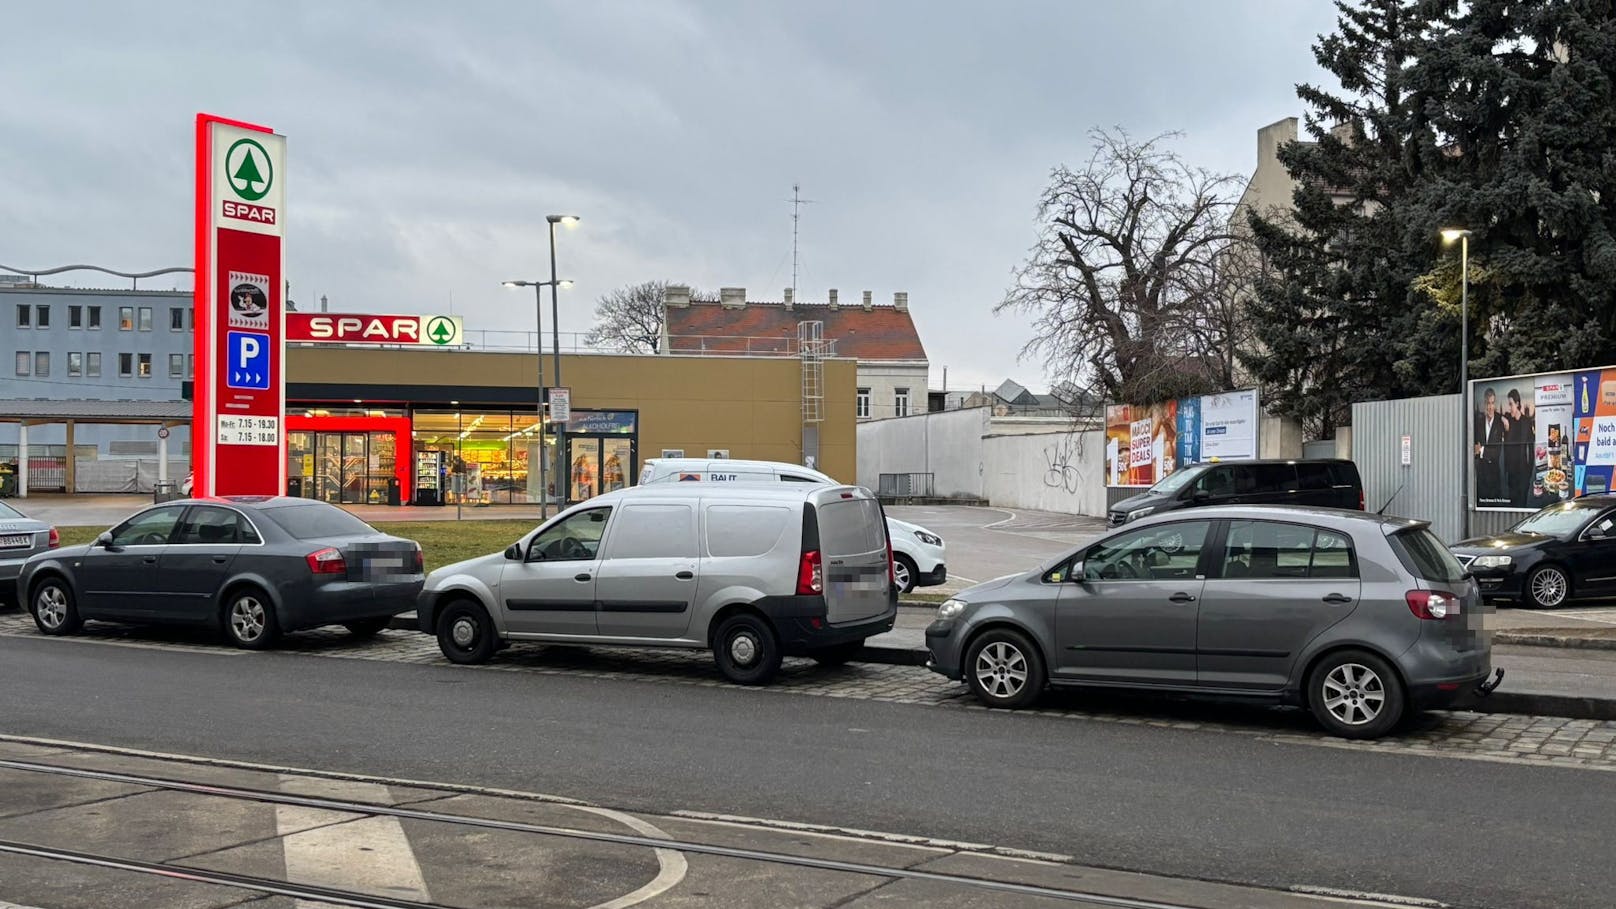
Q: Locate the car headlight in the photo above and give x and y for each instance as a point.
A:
(1138, 513)
(930, 539)
(951, 609)
(1493, 561)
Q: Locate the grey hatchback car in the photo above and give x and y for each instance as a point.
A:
(1358, 617)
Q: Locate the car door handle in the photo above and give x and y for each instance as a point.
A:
(583, 576)
(150, 560)
(685, 575)
(220, 560)
(1181, 597)
(1337, 598)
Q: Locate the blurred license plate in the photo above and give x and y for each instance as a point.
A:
(864, 584)
(16, 541)
(1489, 621)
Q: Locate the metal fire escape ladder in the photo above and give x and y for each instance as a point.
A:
(811, 348)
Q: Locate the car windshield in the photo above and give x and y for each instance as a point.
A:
(316, 521)
(6, 511)
(1177, 480)
(1557, 520)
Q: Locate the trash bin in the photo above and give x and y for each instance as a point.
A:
(294, 487)
(395, 493)
(165, 492)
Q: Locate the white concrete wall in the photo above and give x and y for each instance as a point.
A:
(1061, 472)
(946, 444)
(884, 379)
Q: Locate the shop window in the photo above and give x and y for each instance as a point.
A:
(95, 317)
(75, 316)
(863, 410)
(75, 364)
(92, 365)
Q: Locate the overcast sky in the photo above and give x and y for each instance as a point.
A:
(426, 141)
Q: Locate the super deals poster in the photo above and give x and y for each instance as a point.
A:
(1594, 414)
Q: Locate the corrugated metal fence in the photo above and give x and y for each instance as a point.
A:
(1428, 486)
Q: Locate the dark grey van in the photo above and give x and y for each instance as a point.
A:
(1316, 483)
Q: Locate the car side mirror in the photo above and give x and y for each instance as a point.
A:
(105, 541)
(1076, 573)
(1594, 533)
(1201, 497)
(513, 552)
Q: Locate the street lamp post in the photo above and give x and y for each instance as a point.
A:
(1449, 234)
(538, 349)
(568, 221)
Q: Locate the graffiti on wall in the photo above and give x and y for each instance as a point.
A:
(1061, 459)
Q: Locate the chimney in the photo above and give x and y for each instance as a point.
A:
(867, 304)
(833, 303)
(676, 295)
(732, 297)
(900, 301)
(790, 294)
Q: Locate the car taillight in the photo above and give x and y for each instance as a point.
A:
(892, 567)
(1432, 604)
(1361, 501)
(327, 561)
(419, 561)
(810, 575)
(55, 538)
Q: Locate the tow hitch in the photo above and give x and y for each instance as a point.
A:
(1487, 687)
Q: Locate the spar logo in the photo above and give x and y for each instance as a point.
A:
(248, 168)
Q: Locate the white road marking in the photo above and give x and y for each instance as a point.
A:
(1362, 898)
(960, 577)
(997, 523)
(672, 862)
(371, 854)
(857, 834)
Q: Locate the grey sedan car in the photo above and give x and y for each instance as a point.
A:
(1358, 617)
(250, 566)
(21, 537)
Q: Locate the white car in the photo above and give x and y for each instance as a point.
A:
(919, 556)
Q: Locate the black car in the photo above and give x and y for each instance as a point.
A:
(1564, 552)
(1323, 483)
(252, 566)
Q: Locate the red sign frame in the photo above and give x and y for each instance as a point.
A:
(238, 446)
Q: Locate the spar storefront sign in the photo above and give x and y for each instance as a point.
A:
(1540, 439)
(369, 328)
(240, 390)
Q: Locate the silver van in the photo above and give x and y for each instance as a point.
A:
(753, 572)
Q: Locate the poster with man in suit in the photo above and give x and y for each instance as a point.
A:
(1520, 440)
(1488, 442)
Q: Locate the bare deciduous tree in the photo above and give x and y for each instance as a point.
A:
(1123, 285)
(629, 319)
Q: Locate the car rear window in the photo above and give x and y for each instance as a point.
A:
(6, 511)
(316, 521)
(851, 527)
(1425, 556)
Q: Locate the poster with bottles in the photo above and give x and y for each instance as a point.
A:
(1541, 439)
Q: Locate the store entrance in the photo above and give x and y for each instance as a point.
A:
(343, 468)
(597, 465)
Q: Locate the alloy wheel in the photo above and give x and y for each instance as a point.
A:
(900, 573)
(247, 619)
(1354, 694)
(51, 606)
(1549, 587)
(1001, 669)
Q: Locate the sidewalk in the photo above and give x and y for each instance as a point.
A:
(1555, 664)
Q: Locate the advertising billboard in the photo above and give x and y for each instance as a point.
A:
(1145, 443)
(1540, 439)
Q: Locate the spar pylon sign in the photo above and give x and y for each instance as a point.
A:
(238, 447)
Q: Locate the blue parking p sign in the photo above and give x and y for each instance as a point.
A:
(248, 367)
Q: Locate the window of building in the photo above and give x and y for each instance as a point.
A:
(176, 318)
(95, 317)
(863, 407)
(41, 363)
(25, 316)
(92, 365)
(145, 365)
(145, 318)
(75, 316)
(126, 365)
(75, 364)
(176, 366)
(190, 365)
(42, 316)
(25, 363)
(900, 402)
(126, 318)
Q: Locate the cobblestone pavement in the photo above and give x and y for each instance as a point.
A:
(1548, 741)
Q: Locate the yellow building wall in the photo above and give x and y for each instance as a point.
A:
(751, 406)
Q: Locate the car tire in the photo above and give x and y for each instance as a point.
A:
(904, 570)
(1004, 669)
(837, 655)
(249, 619)
(1547, 587)
(368, 628)
(55, 610)
(746, 651)
(1356, 695)
(466, 634)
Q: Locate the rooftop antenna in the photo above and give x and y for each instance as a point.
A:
(797, 202)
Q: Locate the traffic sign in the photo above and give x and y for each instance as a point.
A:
(248, 365)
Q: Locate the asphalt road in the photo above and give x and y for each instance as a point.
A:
(1183, 802)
